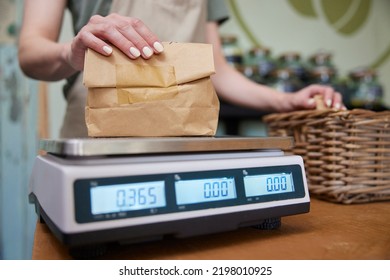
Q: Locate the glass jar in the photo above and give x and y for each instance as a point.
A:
(285, 80)
(323, 75)
(251, 72)
(321, 59)
(365, 90)
(261, 58)
(231, 50)
(292, 61)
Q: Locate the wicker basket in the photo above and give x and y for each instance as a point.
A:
(346, 153)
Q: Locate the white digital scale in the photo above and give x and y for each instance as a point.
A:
(101, 191)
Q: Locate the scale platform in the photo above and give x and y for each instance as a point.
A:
(125, 190)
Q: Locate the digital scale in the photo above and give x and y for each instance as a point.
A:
(116, 190)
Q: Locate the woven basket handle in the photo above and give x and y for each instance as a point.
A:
(320, 103)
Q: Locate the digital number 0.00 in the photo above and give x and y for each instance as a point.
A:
(267, 184)
(215, 189)
(276, 183)
(204, 190)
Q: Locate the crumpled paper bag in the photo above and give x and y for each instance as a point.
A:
(170, 94)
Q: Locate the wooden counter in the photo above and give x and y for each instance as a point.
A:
(329, 231)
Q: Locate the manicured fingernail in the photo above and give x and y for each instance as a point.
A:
(311, 101)
(328, 102)
(337, 106)
(107, 49)
(158, 47)
(135, 52)
(147, 52)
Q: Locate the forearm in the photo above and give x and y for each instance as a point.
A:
(44, 59)
(233, 87)
(40, 55)
(236, 88)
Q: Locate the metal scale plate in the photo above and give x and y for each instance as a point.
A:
(136, 146)
(95, 191)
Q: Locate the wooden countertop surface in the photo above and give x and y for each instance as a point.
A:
(329, 231)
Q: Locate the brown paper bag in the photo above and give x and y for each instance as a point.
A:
(170, 94)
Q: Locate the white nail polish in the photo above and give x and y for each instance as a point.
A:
(337, 106)
(147, 52)
(328, 102)
(311, 101)
(158, 47)
(135, 52)
(107, 49)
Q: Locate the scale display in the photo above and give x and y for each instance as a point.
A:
(127, 197)
(204, 190)
(268, 184)
(145, 195)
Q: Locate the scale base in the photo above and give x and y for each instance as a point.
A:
(95, 251)
(92, 245)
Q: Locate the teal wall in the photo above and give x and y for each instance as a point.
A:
(18, 148)
(18, 141)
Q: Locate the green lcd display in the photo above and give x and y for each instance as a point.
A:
(267, 184)
(127, 197)
(204, 190)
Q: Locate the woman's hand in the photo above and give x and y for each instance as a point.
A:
(42, 57)
(304, 99)
(130, 35)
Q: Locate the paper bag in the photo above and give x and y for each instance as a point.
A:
(170, 94)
